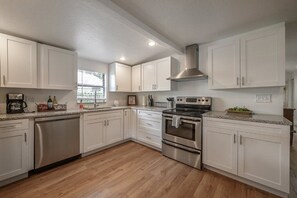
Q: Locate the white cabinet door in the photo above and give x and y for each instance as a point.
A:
(263, 58)
(220, 149)
(57, 68)
(264, 159)
(114, 130)
(127, 124)
(223, 64)
(163, 68)
(123, 78)
(136, 78)
(18, 62)
(13, 154)
(94, 134)
(149, 76)
(133, 123)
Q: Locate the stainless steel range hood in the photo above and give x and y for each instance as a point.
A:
(192, 71)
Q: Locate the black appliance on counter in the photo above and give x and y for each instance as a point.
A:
(15, 103)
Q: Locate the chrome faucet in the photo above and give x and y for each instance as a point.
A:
(95, 101)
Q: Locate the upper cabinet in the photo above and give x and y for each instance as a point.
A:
(18, 62)
(254, 59)
(57, 68)
(136, 78)
(155, 74)
(119, 78)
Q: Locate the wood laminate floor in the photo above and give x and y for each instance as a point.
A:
(129, 170)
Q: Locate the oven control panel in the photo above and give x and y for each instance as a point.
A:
(193, 100)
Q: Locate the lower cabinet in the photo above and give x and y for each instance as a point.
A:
(127, 124)
(149, 127)
(13, 148)
(101, 129)
(254, 151)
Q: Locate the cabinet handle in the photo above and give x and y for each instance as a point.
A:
(234, 138)
(139, 89)
(156, 87)
(104, 122)
(242, 80)
(7, 127)
(117, 87)
(237, 80)
(125, 113)
(25, 137)
(148, 138)
(149, 124)
(240, 139)
(4, 80)
(107, 122)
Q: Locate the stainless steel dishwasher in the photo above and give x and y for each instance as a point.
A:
(56, 139)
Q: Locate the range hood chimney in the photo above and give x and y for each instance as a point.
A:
(192, 71)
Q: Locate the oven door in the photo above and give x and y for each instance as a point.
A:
(188, 133)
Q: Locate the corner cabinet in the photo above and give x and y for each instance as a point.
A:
(102, 129)
(253, 59)
(57, 68)
(254, 151)
(119, 77)
(18, 62)
(155, 74)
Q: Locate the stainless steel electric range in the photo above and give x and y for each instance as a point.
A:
(182, 130)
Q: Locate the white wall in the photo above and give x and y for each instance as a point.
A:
(34, 96)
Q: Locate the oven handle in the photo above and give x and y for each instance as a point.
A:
(184, 120)
(181, 147)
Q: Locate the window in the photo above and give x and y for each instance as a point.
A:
(88, 84)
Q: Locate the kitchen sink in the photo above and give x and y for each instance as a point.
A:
(97, 108)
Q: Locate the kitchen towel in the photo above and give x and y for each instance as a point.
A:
(176, 121)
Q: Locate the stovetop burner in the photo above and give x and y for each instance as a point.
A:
(190, 106)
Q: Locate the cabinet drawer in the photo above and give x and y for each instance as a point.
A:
(149, 124)
(149, 139)
(13, 125)
(103, 115)
(150, 114)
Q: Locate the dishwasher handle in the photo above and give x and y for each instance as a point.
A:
(54, 118)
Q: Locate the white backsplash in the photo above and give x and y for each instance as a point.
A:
(223, 99)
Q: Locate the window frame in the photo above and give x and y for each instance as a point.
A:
(103, 86)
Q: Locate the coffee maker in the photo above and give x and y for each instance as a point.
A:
(15, 103)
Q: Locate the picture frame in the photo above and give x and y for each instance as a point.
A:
(132, 100)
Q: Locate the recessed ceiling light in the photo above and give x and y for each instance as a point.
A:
(122, 58)
(152, 43)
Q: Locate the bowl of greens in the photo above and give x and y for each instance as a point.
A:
(240, 110)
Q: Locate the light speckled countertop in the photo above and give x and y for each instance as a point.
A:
(261, 118)
(70, 112)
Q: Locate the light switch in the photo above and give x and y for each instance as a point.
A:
(263, 98)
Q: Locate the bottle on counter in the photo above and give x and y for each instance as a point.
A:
(49, 103)
(55, 102)
(81, 105)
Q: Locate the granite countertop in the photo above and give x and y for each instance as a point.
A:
(261, 118)
(70, 112)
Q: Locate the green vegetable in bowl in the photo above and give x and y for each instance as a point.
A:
(239, 109)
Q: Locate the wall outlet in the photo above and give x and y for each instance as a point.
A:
(263, 98)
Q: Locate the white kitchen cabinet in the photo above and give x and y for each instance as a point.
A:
(136, 78)
(101, 129)
(155, 74)
(263, 58)
(119, 77)
(13, 148)
(114, 130)
(221, 149)
(263, 159)
(57, 68)
(257, 152)
(18, 62)
(149, 128)
(253, 59)
(133, 123)
(94, 134)
(127, 124)
(223, 59)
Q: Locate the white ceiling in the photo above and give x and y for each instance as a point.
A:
(82, 25)
(89, 27)
(199, 21)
